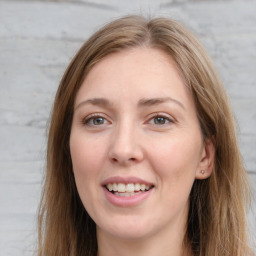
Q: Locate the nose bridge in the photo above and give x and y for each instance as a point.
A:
(125, 146)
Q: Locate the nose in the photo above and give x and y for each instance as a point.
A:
(126, 147)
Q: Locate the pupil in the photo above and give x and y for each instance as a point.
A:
(159, 120)
(98, 120)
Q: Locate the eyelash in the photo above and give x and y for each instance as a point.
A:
(86, 121)
(160, 115)
(92, 117)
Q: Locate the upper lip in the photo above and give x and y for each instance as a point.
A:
(126, 180)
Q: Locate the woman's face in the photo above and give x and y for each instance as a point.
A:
(136, 145)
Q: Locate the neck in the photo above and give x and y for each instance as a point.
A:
(151, 246)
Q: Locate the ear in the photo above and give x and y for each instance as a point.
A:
(206, 164)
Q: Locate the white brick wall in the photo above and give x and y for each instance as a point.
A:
(37, 40)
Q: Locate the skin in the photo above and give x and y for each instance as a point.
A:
(159, 141)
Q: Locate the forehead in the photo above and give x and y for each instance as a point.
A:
(134, 73)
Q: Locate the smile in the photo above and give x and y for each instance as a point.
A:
(127, 190)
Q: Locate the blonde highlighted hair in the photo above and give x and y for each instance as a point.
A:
(216, 224)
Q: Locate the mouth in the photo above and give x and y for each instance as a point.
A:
(127, 190)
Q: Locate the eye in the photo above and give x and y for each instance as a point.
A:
(160, 119)
(95, 120)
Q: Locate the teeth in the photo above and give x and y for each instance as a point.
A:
(125, 194)
(110, 187)
(120, 187)
(142, 187)
(137, 187)
(128, 188)
(114, 187)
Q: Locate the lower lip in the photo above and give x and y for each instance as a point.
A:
(126, 201)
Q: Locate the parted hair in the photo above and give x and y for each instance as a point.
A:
(216, 224)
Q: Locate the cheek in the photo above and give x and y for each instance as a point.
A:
(175, 164)
(176, 159)
(86, 154)
(87, 162)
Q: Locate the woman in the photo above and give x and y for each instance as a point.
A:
(142, 154)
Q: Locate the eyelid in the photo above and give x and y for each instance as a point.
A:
(160, 114)
(86, 119)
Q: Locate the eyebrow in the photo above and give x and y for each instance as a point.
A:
(95, 101)
(142, 102)
(156, 101)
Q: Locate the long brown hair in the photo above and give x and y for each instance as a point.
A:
(216, 223)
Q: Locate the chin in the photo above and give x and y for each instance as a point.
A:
(129, 234)
(127, 229)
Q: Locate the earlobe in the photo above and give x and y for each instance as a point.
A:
(206, 164)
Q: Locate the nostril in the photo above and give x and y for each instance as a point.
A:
(114, 160)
